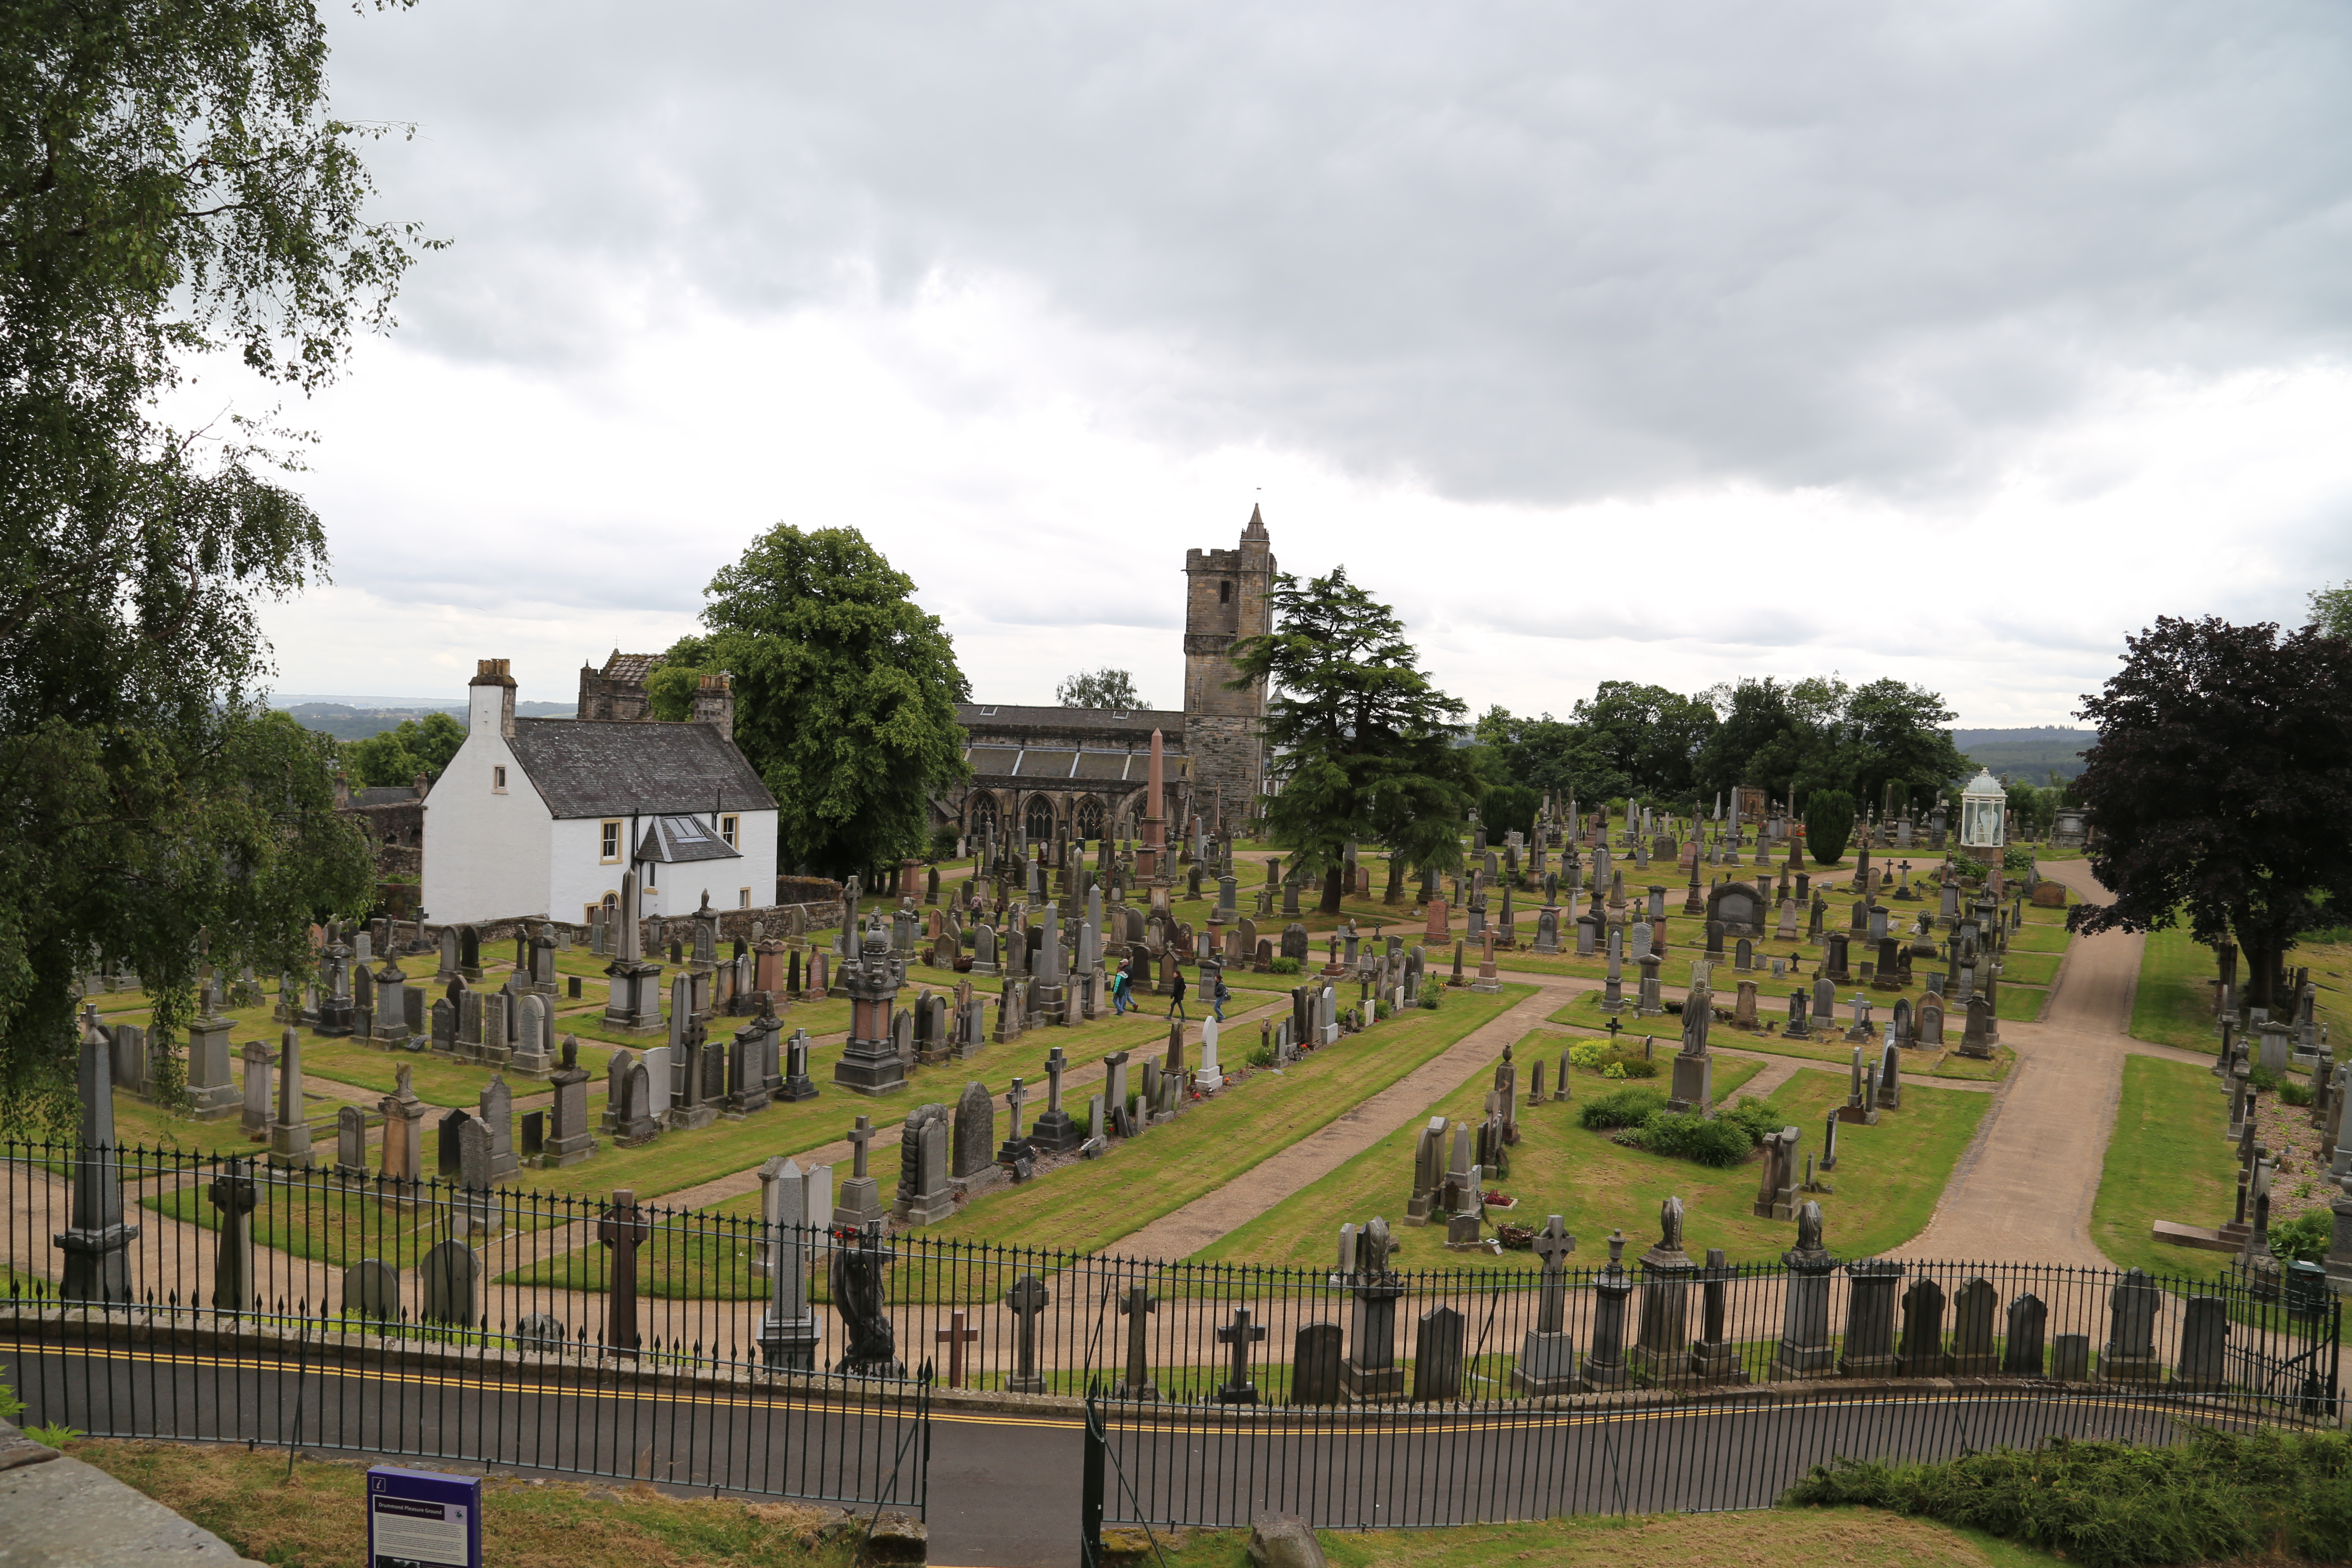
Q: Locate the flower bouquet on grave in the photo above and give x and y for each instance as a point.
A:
(1516, 1237)
(1498, 1200)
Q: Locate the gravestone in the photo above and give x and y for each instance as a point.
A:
(1315, 1365)
(975, 1132)
(372, 1291)
(1437, 1357)
(451, 1278)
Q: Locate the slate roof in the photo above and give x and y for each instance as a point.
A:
(1169, 722)
(630, 667)
(671, 839)
(394, 794)
(610, 767)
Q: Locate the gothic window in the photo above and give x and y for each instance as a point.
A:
(1039, 818)
(979, 816)
(1090, 819)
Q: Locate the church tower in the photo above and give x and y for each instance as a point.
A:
(1229, 595)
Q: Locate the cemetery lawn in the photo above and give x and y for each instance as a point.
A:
(1088, 1206)
(1886, 1183)
(316, 1515)
(2017, 1003)
(1842, 1537)
(2173, 1005)
(2166, 1160)
(679, 1160)
(2039, 937)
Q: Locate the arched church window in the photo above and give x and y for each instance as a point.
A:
(981, 815)
(1039, 818)
(1091, 819)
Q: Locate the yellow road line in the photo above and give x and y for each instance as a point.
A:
(1531, 1421)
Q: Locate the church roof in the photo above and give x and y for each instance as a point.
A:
(589, 767)
(990, 718)
(630, 667)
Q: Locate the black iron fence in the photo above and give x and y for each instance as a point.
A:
(168, 1293)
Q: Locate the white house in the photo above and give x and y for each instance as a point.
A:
(538, 816)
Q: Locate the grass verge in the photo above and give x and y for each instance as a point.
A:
(315, 1516)
(1887, 1180)
(2166, 1160)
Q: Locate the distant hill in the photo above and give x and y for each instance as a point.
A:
(2028, 755)
(346, 721)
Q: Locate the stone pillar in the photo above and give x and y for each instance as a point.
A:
(98, 1244)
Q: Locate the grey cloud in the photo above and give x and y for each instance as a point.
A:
(1529, 251)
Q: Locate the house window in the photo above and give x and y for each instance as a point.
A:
(610, 848)
(743, 897)
(498, 781)
(727, 830)
(651, 867)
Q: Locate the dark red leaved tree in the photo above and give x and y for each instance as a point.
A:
(2222, 785)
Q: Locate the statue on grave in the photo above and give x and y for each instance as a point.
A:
(1809, 1227)
(858, 1294)
(1670, 1226)
(1374, 1246)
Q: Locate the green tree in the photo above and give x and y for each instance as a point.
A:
(845, 694)
(1552, 756)
(1099, 688)
(172, 182)
(1363, 745)
(2331, 611)
(395, 756)
(2221, 784)
(1829, 825)
(1897, 736)
(1653, 737)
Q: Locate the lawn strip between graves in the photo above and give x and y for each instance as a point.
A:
(1088, 1206)
(2173, 1004)
(1887, 1180)
(2167, 1159)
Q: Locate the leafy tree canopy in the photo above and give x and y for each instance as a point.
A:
(1651, 736)
(1099, 688)
(395, 756)
(1548, 756)
(2220, 782)
(845, 694)
(172, 182)
(2331, 611)
(1363, 745)
(1820, 734)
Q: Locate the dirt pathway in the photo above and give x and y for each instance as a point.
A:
(1212, 1214)
(2023, 1189)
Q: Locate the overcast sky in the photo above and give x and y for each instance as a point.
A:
(1663, 342)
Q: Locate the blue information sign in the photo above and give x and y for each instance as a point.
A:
(419, 1519)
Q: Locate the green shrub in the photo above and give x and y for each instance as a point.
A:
(1627, 1107)
(1429, 998)
(1611, 1061)
(2304, 1239)
(1687, 1135)
(1828, 824)
(2017, 859)
(2221, 1495)
(943, 840)
(2295, 1091)
(1282, 966)
(1752, 1117)
(2263, 1079)
(1261, 1057)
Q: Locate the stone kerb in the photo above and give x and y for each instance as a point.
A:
(733, 923)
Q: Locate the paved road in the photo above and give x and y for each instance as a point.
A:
(1004, 1491)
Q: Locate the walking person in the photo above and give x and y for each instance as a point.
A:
(1118, 984)
(1176, 1001)
(1214, 985)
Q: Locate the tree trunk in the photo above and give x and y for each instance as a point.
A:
(2258, 971)
(1331, 905)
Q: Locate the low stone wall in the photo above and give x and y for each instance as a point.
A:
(732, 924)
